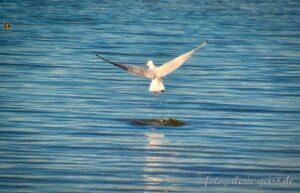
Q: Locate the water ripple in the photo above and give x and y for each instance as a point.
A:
(62, 109)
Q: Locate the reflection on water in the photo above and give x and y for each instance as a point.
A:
(154, 137)
(153, 180)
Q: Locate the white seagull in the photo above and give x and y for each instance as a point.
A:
(156, 74)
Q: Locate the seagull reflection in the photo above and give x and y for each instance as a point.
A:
(154, 137)
(156, 176)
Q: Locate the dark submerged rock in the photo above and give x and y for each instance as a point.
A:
(158, 122)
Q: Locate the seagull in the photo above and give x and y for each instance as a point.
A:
(156, 74)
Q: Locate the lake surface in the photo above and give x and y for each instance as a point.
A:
(65, 115)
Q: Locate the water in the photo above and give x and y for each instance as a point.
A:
(63, 111)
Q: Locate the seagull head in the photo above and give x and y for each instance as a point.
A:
(150, 64)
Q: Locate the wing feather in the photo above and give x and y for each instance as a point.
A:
(172, 65)
(135, 70)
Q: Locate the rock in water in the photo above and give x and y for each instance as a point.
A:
(158, 122)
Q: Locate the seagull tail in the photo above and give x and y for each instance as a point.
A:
(156, 86)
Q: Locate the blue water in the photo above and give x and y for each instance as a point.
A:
(63, 111)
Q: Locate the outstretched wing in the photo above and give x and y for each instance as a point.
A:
(135, 70)
(172, 65)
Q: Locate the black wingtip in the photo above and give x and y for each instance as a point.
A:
(114, 63)
(98, 55)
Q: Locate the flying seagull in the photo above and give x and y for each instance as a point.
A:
(156, 74)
